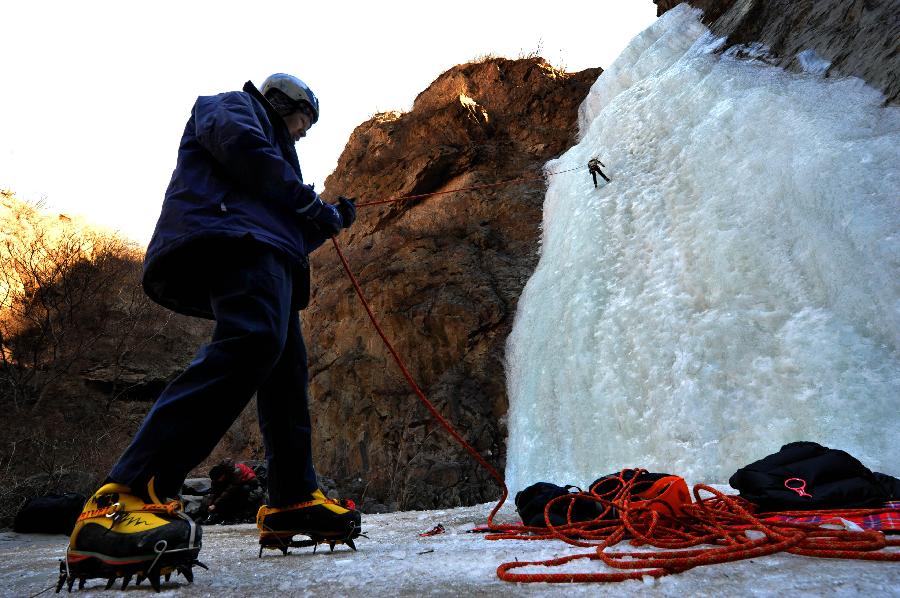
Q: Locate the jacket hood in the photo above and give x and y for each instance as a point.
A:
(275, 118)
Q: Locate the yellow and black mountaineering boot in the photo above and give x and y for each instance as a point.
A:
(324, 520)
(121, 533)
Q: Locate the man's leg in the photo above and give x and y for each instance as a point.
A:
(296, 505)
(250, 296)
(283, 407)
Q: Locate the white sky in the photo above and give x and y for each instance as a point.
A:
(96, 94)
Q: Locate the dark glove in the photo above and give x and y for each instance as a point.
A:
(323, 215)
(347, 209)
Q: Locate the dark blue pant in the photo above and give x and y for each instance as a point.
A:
(256, 347)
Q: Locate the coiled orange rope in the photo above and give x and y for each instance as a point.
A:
(721, 523)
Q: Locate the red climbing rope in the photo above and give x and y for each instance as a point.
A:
(409, 379)
(415, 387)
(463, 189)
(725, 526)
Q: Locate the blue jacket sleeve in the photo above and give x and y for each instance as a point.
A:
(228, 127)
(314, 238)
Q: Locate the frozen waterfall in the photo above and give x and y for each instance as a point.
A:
(735, 287)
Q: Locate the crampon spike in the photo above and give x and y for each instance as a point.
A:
(138, 579)
(153, 578)
(201, 565)
(125, 581)
(350, 543)
(168, 575)
(81, 581)
(331, 545)
(70, 583)
(110, 582)
(62, 580)
(188, 574)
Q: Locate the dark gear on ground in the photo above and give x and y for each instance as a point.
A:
(49, 514)
(594, 168)
(235, 496)
(806, 476)
(663, 492)
(531, 501)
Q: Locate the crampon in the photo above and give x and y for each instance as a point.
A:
(71, 571)
(284, 541)
(120, 534)
(323, 520)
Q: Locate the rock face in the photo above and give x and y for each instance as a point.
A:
(142, 375)
(856, 37)
(442, 273)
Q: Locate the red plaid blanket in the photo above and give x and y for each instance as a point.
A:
(886, 519)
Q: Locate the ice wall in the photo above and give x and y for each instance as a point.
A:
(735, 287)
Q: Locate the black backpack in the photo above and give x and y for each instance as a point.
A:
(50, 514)
(805, 476)
(531, 501)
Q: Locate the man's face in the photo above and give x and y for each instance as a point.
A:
(297, 123)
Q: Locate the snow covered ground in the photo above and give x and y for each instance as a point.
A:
(395, 561)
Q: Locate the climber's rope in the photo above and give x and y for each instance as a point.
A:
(409, 379)
(415, 387)
(722, 521)
(524, 179)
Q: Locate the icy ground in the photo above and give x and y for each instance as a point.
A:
(396, 562)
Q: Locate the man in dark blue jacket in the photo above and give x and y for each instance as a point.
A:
(231, 244)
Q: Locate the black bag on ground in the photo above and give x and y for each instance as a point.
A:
(806, 476)
(50, 514)
(531, 501)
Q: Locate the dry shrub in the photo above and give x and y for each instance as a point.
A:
(70, 299)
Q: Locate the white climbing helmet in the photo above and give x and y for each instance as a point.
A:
(293, 88)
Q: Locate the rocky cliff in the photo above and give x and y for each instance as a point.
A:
(853, 37)
(443, 274)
